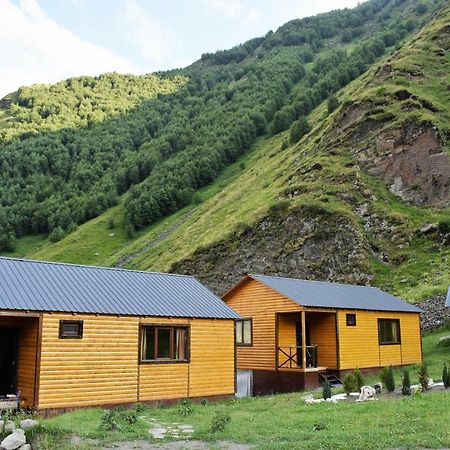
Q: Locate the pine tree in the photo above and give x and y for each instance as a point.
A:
(359, 377)
(326, 392)
(406, 383)
(332, 103)
(350, 384)
(446, 376)
(390, 380)
(423, 377)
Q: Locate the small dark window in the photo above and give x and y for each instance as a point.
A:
(244, 332)
(351, 320)
(389, 331)
(70, 329)
(164, 343)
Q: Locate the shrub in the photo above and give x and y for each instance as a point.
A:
(359, 377)
(446, 376)
(406, 383)
(332, 103)
(111, 224)
(185, 407)
(423, 376)
(326, 391)
(444, 341)
(56, 235)
(421, 8)
(298, 129)
(350, 383)
(390, 379)
(219, 422)
(118, 418)
(285, 144)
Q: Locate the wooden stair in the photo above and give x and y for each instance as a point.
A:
(331, 378)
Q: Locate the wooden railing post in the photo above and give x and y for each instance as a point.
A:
(303, 313)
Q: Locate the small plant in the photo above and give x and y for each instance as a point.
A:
(118, 418)
(446, 376)
(285, 144)
(359, 377)
(111, 224)
(185, 407)
(332, 103)
(423, 377)
(350, 384)
(406, 383)
(219, 422)
(390, 379)
(326, 391)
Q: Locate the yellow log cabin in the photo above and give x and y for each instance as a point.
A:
(295, 333)
(74, 336)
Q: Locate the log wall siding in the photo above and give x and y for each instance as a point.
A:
(103, 367)
(359, 346)
(255, 300)
(323, 334)
(26, 370)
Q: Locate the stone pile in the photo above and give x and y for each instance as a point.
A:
(16, 439)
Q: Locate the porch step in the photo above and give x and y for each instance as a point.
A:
(331, 378)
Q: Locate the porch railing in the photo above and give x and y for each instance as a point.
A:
(292, 357)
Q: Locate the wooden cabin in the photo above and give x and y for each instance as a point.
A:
(294, 334)
(75, 336)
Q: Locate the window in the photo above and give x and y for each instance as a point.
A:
(389, 331)
(244, 332)
(70, 329)
(164, 343)
(351, 320)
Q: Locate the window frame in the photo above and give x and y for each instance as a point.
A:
(395, 320)
(172, 327)
(63, 335)
(241, 321)
(347, 316)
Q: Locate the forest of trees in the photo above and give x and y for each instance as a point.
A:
(71, 149)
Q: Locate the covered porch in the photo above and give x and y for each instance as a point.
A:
(19, 346)
(306, 341)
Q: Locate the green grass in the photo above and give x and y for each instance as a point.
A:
(285, 421)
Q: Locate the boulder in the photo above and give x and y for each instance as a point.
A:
(27, 424)
(14, 441)
(25, 447)
(7, 427)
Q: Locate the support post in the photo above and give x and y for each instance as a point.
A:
(303, 313)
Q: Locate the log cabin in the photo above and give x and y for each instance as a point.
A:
(74, 336)
(295, 334)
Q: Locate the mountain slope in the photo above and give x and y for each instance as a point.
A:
(70, 150)
(347, 202)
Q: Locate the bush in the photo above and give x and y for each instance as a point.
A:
(285, 144)
(326, 391)
(350, 383)
(444, 341)
(390, 379)
(298, 129)
(185, 407)
(406, 383)
(219, 422)
(111, 223)
(332, 103)
(446, 376)
(118, 418)
(423, 377)
(359, 377)
(56, 235)
(421, 8)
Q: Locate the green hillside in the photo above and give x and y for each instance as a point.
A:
(329, 206)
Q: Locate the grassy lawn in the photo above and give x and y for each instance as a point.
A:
(283, 421)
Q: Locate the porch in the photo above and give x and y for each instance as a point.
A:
(306, 341)
(18, 358)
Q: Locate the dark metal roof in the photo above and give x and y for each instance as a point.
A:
(447, 303)
(47, 286)
(335, 295)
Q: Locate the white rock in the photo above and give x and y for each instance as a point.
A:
(25, 447)
(158, 433)
(27, 424)
(9, 427)
(15, 440)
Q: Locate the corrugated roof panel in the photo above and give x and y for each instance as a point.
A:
(46, 286)
(335, 295)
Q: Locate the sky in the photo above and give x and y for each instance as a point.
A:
(44, 41)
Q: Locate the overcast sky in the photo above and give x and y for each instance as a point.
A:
(44, 41)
